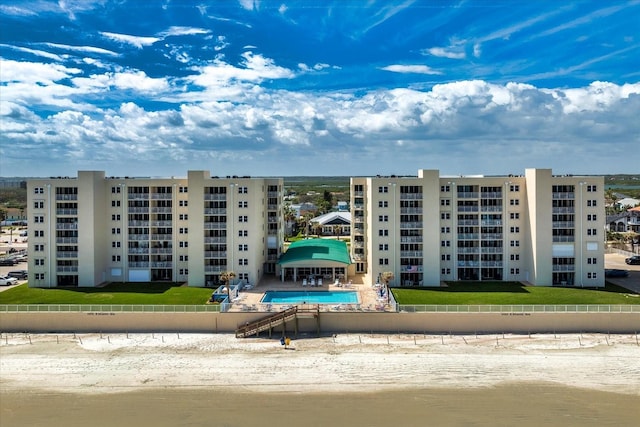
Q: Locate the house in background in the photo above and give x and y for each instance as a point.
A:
(624, 221)
(333, 224)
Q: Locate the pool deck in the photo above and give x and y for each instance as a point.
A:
(249, 299)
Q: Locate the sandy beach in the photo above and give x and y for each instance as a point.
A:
(208, 370)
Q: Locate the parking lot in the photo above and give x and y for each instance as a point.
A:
(616, 261)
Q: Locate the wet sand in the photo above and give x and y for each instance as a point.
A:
(506, 405)
(347, 380)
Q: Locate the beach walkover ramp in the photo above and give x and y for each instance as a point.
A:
(271, 321)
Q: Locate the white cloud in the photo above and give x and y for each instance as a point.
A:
(136, 41)
(450, 53)
(36, 52)
(415, 69)
(182, 31)
(34, 72)
(85, 49)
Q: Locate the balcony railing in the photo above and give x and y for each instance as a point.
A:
(66, 226)
(411, 254)
(215, 225)
(66, 197)
(411, 211)
(162, 264)
(215, 254)
(67, 254)
(563, 224)
(468, 195)
(563, 210)
(215, 211)
(411, 239)
(563, 267)
(566, 239)
(215, 197)
(214, 268)
(161, 251)
(215, 239)
(67, 268)
(60, 240)
(560, 196)
(161, 237)
(410, 196)
(410, 225)
(61, 212)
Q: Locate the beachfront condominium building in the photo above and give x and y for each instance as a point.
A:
(94, 229)
(537, 228)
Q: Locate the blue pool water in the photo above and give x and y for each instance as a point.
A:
(310, 297)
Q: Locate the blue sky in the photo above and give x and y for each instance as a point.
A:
(348, 87)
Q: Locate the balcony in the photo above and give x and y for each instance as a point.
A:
(410, 196)
(66, 226)
(491, 208)
(469, 250)
(161, 196)
(469, 222)
(491, 236)
(411, 239)
(66, 197)
(215, 197)
(563, 196)
(492, 250)
(563, 267)
(142, 264)
(563, 210)
(67, 212)
(411, 225)
(411, 211)
(564, 239)
(491, 195)
(160, 210)
(468, 236)
(161, 223)
(411, 268)
(215, 254)
(138, 237)
(162, 264)
(358, 193)
(67, 254)
(467, 208)
(491, 222)
(138, 196)
(563, 224)
(468, 195)
(64, 240)
(215, 211)
(138, 251)
(161, 237)
(214, 268)
(164, 251)
(216, 239)
(215, 225)
(411, 254)
(138, 223)
(271, 207)
(67, 268)
(138, 209)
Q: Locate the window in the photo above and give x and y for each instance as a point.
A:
(115, 244)
(515, 271)
(243, 247)
(243, 233)
(591, 231)
(383, 247)
(592, 275)
(592, 188)
(184, 244)
(445, 215)
(39, 261)
(514, 215)
(383, 261)
(514, 187)
(183, 203)
(515, 243)
(183, 230)
(115, 203)
(383, 189)
(183, 189)
(592, 203)
(445, 202)
(115, 190)
(39, 276)
(243, 190)
(383, 218)
(115, 217)
(38, 233)
(445, 243)
(184, 217)
(115, 230)
(243, 276)
(514, 202)
(38, 190)
(243, 204)
(592, 217)
(515, 229)
(243, 218)
(592, 261)
(383, 232)
(38, 219)
(38, 248)
(243, 261)
(445, 189)
(445, 257)
(38, 204)
(445, 229)
(445, 271)
(184, 257)
(383, 204)
(515, 257)
(115, 258)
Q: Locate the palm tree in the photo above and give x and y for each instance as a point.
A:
(387, 277)
(227, 277)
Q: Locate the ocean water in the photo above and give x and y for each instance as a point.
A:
(520, 405)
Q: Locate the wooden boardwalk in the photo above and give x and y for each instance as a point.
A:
(273, 320)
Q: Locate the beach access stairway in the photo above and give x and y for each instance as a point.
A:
(281, 318)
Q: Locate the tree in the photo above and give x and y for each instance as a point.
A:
(289, 217)
(227, 277)
(387, 277)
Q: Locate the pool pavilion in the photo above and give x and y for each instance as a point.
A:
(313, 259)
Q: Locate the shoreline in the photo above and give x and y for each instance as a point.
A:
(345, 363)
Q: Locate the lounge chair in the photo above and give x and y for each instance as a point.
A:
(304, 282)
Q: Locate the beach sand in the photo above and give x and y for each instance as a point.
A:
(374, 380)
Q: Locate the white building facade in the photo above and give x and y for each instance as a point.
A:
(95, 229)
(537, 228)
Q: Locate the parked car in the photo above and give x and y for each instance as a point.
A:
(634, 260)
(615, 273)
(18, 274)
(8, 262)
(7, 281)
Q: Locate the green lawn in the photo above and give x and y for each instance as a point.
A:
(160, 293)
(501, 293)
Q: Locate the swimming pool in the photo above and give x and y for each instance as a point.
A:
(310, 297)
